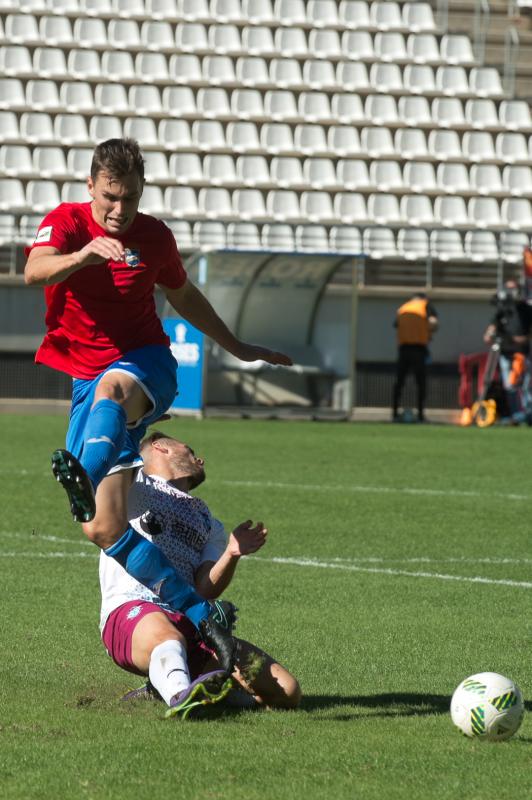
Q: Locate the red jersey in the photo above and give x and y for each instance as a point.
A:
(105, 310)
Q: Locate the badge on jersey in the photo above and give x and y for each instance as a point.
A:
(132, 258)
(43, 235)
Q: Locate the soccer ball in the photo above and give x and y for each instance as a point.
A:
(487, 706)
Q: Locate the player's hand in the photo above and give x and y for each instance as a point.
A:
(254, 352)
(103, 248)
(247, 538)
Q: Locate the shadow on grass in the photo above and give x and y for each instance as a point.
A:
(392, 704)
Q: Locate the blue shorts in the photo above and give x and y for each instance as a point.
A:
(155, 369)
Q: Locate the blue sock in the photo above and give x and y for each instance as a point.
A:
(147, 564)
(105, 434)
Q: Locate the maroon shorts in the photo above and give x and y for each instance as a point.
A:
(117, 635)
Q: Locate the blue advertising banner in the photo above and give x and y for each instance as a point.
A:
(186, 343)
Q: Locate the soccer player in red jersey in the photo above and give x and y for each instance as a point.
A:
(99, 263)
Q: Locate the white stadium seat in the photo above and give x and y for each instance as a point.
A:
(215, 203)
(456, 49)
(345, 239)
(485, 82)
(379, 243)
(50, 162)
(414, 111)
(15, 160)
(512, 148)
(157, 35)
(252, 170)
(419, 79)
(180, 201)
(208, 135)
(420, 176)
(257, 40)
(448, 112)
(512, 244)
(413, 243)
(283, 205)
(285, 73)
(170, 131)
(258, 12)
(243, 137)
(377, 142)
(322, 13)
(155, 167)
(384, 209)
(350, 208)
(445, 145)
(451, 212)
(77, 96)
(416, 210)
(290, 12)
(481, 113)
(278, 236)
(484, 212)
(209, 235)
(152, 201)
(411, 144)
(186, 168)
(486, 179)
(347, 108)
(481, 246)
(418, 17)
(36, 127)
(285, 172)
(478, 146)
(317, 207)
(452, 178)
(42, 95)
(89, 32)
(219, 169)
(249, 204)
(111, 98)
(353, 174)
(179, 101)
(225, 40)
(446, 245)
(386, 176)
(517, 180)
(386, 15)
(247, 104)
(516, 214)
(102, 128)
(79, 161)
(319, 173)
(311, 238)
(515, 115)
(75, 192)
(243, 236)
(353, 14)
(12, 196)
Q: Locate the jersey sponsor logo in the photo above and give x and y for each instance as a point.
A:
(134, 612)
(132, 257)
(43, 235)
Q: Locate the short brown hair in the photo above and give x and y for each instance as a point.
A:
(117, 157)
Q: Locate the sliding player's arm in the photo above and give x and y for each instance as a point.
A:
(213, 578)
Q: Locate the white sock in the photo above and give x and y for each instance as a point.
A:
(169, 669)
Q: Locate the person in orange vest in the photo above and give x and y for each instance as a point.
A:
(415, 322)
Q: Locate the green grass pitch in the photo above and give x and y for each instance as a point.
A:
(398, 562)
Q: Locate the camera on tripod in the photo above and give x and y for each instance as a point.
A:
(505, 302)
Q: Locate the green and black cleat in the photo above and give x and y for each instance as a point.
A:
(217, 632)
(76, 483)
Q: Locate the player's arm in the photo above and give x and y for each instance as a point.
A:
(47, 265)
(191, 304)
(213, 578)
